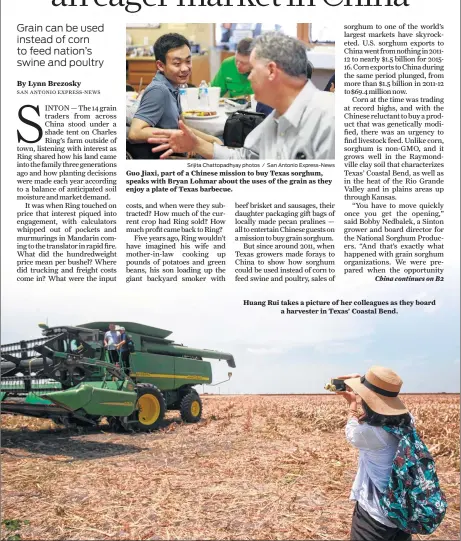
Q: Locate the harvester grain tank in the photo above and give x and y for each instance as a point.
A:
(66, 375)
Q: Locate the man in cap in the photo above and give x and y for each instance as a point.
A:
(124, 351)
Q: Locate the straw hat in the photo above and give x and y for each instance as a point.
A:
(379, 389)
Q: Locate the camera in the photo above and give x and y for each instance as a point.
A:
(335, 385)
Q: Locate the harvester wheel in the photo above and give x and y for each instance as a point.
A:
(191, 407)
(150, 408)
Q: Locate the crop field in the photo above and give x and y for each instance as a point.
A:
(255, 467)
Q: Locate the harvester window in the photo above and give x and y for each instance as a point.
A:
(90, 337)
(59, 345)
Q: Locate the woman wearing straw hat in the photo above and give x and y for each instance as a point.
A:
(377, 392)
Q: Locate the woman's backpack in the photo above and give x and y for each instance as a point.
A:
(413, 500)
(130, 344)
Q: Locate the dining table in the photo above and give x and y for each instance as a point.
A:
(213, 125)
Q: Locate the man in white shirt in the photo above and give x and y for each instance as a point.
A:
(111, 343)
(302, 125)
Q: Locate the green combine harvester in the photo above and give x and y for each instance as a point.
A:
(66, 376)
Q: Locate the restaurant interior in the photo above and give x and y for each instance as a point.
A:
(212, 43)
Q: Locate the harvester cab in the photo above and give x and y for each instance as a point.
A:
(66, 375)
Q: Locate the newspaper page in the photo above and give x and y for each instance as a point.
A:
(231, 290)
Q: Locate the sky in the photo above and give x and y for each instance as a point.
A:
(274, 353)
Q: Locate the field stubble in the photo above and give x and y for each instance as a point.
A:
(256, 467)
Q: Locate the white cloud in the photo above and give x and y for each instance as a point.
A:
(431, 308)
(265, 351)
(346, 346)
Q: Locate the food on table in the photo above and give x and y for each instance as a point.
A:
(199, 113)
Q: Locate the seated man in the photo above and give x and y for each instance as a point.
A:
(160, 106)
(232, 76)
(265, 109)
(302, 125)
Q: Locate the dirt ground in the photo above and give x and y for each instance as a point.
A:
(255, 467)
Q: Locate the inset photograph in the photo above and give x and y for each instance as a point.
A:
(232, 91)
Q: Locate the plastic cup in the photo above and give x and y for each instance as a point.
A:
(214, 93)
(192, 98)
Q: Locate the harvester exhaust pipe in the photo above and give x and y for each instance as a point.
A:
(229, 374)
